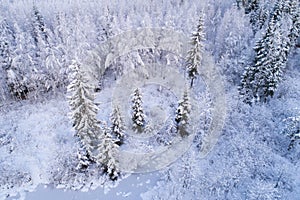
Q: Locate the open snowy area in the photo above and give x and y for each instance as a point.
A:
(152, 100)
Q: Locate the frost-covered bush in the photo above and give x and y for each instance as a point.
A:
(292, 130)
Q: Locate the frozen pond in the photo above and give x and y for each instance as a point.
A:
(129, 188)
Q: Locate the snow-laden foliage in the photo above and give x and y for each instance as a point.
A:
(259, 14)
(258, 167)
(260, 81)
(108, 152)
(117, 126)
(194, 56)
(234, 40)
(292, 8)
(83, 109)
(5, 57)
(183, 111)
(292, 130)
(138, 116)
(252, 160)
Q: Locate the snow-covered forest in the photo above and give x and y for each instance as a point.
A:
(169, 99)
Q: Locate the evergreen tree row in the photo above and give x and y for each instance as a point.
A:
(98, 142)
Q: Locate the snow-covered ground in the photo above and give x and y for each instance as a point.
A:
(250, 161)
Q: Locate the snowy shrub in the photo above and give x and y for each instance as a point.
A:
(263, 190)
(292, 130)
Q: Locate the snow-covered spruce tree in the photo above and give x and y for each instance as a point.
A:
(47, 56)
(54, 78)
(257, 12)
(83, 157)
(108, 151)
(46, 65)
(5, 57)
(278, 10)
(6, 37)
(117, 126)
(194, 56)
(294, 15)
(17, 84)
(260, 81)
(83, 110)
(38, 26)
(138, 116)
(259, 18)
(19, 75)
(245, 88)
(182, 113)
(250, 5)
(107, 26)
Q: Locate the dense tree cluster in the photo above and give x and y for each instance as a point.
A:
(38, 48)
(97, 143)
(261, 79)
